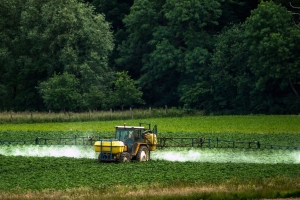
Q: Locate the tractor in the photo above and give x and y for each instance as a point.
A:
(130, 143)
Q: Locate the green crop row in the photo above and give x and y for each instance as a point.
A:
(268, 130)
(192, 124)
(31, 173)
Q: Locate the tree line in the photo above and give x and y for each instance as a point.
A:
(229, 56)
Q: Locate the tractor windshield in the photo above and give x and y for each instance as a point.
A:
(123, 134)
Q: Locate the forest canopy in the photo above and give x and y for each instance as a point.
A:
(232, 56)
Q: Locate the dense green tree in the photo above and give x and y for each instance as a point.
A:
(61, 92)
(2, 94)
(192, 53)
(193, 24)
(125, 91)
(170, 45)
(44, 37)
(94, 98)
(229, 73)
(9, 51)
(114, 11)
(140, 23)
(168, 41)
(292, 6)
(274, 43)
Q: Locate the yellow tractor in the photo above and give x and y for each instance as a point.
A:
(130, 143)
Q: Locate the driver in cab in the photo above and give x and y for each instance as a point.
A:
(129, 139)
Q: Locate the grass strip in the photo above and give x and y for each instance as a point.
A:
(232, 189)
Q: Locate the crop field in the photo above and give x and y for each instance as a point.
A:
(214, 124)
(30, 171)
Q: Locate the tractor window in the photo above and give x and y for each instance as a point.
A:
(138, 135)
(123, 134)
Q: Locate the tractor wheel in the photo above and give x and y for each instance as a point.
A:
(142, 154)
(124, 157)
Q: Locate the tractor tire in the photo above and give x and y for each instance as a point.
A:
(124, 157)
(143, 154)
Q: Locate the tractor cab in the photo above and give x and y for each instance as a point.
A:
(130, 135)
